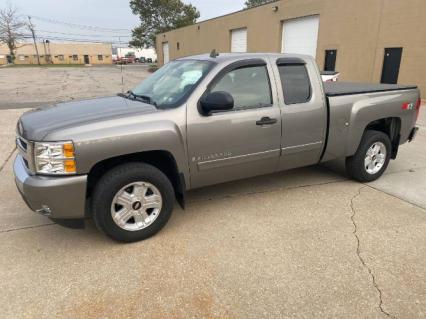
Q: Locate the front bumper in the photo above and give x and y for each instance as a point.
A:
(55, 197)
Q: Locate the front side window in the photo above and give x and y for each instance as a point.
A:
(100, 57)
(171, 85)
(249, 86)
(75, 57)
(295, 83)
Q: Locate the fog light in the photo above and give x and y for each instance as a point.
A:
(44, 210)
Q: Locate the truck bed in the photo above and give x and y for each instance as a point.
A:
(348, 88)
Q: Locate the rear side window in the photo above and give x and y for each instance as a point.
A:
(295, 82)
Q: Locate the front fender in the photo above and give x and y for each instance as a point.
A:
(116, 137)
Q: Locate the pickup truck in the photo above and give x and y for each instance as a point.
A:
(201, 120)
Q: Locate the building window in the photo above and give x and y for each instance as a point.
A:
(61, 57)
(100, 57)
(178, 46)
(75, 57)
(295, 83)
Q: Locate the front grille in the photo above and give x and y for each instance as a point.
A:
(22, 143)
(25, 149)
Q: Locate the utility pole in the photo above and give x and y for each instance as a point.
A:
(121, 65)
(34, 38)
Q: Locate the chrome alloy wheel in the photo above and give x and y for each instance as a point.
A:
(375, 158)
(136, 206)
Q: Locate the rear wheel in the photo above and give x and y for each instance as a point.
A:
(372, 157)
(132, 202)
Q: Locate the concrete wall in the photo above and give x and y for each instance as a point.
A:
(60, 53)
(359, 30)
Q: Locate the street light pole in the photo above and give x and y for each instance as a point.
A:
(34, 38)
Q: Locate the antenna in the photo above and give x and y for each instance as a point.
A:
(214, 54)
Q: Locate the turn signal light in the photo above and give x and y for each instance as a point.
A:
(68, 150)
(69, 166)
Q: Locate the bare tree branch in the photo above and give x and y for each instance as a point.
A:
(11, 29)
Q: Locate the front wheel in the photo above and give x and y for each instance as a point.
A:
(372, 157)
(132, 202)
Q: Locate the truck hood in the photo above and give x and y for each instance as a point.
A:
(35, 125)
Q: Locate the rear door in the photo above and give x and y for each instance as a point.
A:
(244, 141)
(330, 60)
(303, 111)
(391, 64)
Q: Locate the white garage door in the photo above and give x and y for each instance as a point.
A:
(239, 40)
(166, 54)
(301, 35)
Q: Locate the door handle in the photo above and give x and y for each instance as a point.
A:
(266, 121)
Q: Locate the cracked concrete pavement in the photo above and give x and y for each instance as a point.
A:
(306, 243)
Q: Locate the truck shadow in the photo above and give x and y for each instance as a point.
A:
(306, 176)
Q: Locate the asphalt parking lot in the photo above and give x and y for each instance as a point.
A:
(23, 87)
(306, 243)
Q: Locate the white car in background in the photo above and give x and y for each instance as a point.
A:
(330, 76)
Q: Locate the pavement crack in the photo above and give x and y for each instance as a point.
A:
(361, 259)
(7, 159)
(25, 227)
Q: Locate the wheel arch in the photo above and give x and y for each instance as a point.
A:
(391, 126)
(161, 159)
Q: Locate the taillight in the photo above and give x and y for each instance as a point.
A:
(418, 104)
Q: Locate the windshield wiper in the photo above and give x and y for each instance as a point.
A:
(138, 97)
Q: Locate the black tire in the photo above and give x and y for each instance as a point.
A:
(355, 166)
(117, 178)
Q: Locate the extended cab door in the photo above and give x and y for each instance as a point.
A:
(303, 111)
(244, 141)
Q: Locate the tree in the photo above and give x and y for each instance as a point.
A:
(255, 3)
(11, 29)
(158, 16)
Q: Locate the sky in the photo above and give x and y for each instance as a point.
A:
(104, 15)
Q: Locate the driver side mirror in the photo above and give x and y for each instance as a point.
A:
(217, 101)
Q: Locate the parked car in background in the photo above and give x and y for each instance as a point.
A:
(198, 121)
(330, 76)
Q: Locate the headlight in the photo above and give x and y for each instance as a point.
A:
(54, 158)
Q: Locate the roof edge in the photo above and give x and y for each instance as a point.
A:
(221, 16)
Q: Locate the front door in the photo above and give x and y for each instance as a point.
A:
(244, 141)
(391, 63)
(86, 59)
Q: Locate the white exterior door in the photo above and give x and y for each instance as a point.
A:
(166, 53)
(239, 40)
(301, 35)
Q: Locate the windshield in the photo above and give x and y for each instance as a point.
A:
(172, 84)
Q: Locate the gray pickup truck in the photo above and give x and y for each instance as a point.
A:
(199, 121)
